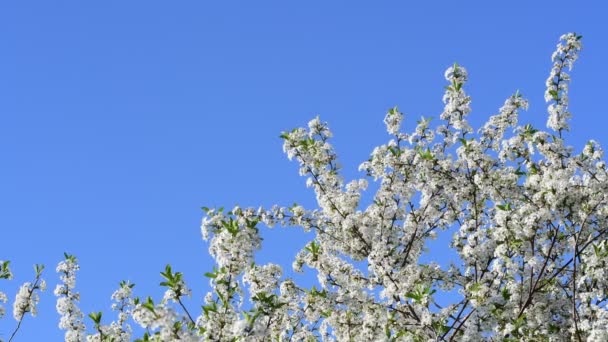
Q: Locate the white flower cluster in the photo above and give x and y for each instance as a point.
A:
(457, 103)
(3, 299)
(557, 83)
(27, 298)
(71, 317)
(393, 121)
(493, 131)
(123, 303)
(164, 320)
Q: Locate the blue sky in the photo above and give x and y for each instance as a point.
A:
(120, 119)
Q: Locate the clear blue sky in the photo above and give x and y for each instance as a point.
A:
(120, 119)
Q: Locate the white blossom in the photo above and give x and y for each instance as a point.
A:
(3, 299)
(557, 83)
(71, 317)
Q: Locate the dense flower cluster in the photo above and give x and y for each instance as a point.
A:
(557, 83)
(27, 298)
(71, 317)
(527, 218)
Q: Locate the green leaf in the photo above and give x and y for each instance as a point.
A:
(96, 317)
(554, 94)
(252, 223)
(534, 169)
(69, 257)
(5, 272)
(414, 295)
(439, 327)
(38, 268)
(314, 248)
(316, 293)
(529, 131)
(326, 314)
(504, 207)
(395, 151)
(209, 308)
(124, 283)
(426, 154)
(169, 276)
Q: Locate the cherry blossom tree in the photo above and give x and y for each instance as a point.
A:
(528, 218)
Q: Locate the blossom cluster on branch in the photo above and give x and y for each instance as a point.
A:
(527, 215)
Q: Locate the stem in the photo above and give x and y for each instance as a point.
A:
(185, 310)
(16, 329)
